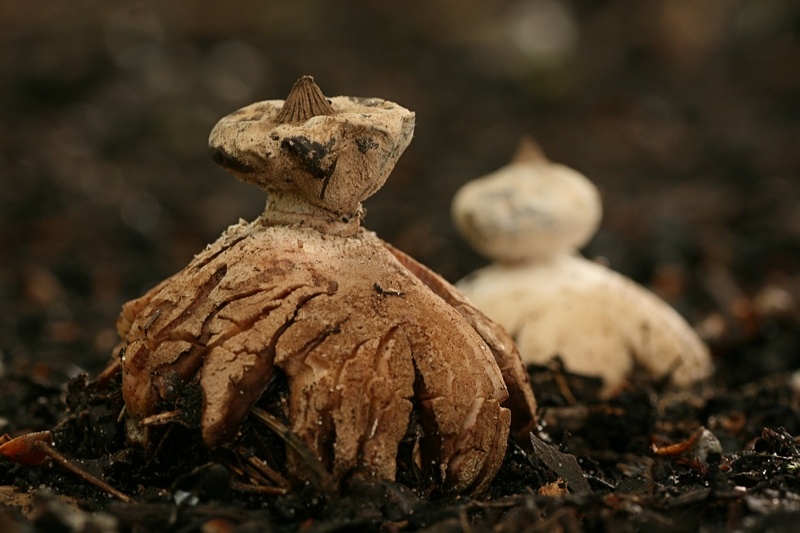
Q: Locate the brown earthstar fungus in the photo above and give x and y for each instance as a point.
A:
(531, 217)
(366, 338)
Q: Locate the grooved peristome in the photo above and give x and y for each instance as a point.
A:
(305, 101)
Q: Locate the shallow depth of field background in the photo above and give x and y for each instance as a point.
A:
(686, 114)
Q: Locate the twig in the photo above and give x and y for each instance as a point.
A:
(161, 419)
(463, 521)
(319, 476)
(80, 472)
(259, 489)
(267, 472)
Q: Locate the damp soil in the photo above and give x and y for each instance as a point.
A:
(718, 457)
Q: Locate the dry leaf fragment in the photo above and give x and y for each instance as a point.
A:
(32, 449)
(563, 464)
(701, 445)
(24, 449)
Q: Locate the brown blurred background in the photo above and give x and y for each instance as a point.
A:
(685, 113)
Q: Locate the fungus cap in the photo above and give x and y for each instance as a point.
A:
(333, 152)
(527, 209)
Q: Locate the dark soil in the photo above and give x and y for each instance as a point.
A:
(686, 115)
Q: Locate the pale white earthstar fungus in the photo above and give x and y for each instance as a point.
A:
(531, 217)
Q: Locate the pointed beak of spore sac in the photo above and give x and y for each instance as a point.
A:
(304, 102)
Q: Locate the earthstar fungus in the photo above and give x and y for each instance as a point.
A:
(531, 217)
(363, 334)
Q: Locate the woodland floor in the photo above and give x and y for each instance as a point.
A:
(686, 115)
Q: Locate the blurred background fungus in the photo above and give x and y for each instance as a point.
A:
(686, 114)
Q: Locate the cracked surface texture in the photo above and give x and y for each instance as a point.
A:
(361, 339)
(368, 340)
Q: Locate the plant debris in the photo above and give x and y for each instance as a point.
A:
(565, 465)
(633, 451)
